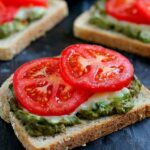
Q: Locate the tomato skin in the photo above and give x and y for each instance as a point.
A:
(40, 89)
(2, 6)
(90, 67)
(126, 10)
(144, 7)
(19, 3)
(7, 14)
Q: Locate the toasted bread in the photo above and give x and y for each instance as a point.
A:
(11, 46)
(79, 134)
(86, 31)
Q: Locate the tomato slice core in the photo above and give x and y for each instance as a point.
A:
(40, 89)
(126, 10)
(95, 68)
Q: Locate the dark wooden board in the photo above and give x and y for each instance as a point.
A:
(134, 137)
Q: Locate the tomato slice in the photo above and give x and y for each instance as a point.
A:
(144, 7)
(125, 10)
(2, 6)
(7, 13)
(19, 3)
(40, 89)
(43, 3)
(95, 68)
(8, 8)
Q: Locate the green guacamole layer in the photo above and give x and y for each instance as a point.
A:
(42, 126)
(100, 19)
(23, 18)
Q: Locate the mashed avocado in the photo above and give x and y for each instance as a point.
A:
(114, 105)
(100, 18)
(38, 126)
(22, 20)
(10, 28)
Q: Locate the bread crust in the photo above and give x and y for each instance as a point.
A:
(84, 136)
(14, 44)
(79, 134)
(5, 96)
(87, 131)
(91, 33)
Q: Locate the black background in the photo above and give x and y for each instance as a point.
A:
(135, 137)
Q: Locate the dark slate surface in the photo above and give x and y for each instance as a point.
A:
(135, 137)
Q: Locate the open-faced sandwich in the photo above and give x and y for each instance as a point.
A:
(64, 102)
(22, 21)
(122, 24)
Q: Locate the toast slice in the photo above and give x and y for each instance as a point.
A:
(91, 33)
(79, 134)
(11, 46)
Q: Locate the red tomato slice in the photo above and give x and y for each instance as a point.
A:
(43, 3)
(40, 89)
(7, 14)
(2, 6)
(125, 10)
(144, 7)
(20, 3)
(95, 68)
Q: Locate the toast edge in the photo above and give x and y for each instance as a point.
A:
(5, 96)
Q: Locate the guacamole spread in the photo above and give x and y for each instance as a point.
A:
(23, 18)
(100, 18)
(40, 126)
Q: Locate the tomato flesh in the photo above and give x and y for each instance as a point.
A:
(40, 89)
(2, 6)
(19, 3)
(144, 7)
(95, 68)
(7, 14)
(126, 10)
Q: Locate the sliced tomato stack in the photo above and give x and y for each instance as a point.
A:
(41, 90)
(58, 86)
(129, 10)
